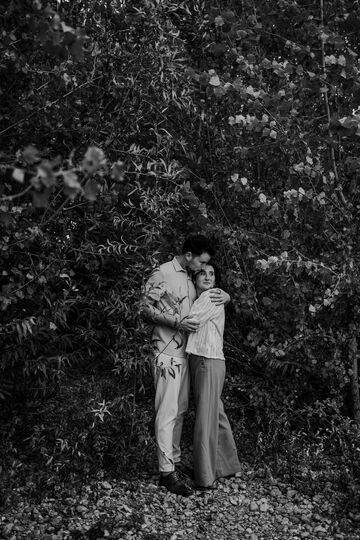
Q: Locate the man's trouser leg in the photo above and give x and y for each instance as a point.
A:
(183, 402)
(171, 399)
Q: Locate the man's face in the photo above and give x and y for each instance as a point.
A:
(195, 263)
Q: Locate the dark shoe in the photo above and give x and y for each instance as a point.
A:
(185, 470)
(173, 483)
(206, 488)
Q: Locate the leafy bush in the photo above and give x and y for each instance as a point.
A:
(239, 121)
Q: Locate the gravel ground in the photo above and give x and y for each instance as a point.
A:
(248, 507)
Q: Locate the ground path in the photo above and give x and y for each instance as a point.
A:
(247, 507)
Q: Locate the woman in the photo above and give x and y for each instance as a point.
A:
(215, 453)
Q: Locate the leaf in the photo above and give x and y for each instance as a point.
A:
(219, 92)
(240, 119)
(71, 192)
(214, 80)
(46, 174)
(93, 159)
(6, 219)
(241, 33)
(237, 84)
(40, 200)
(203, 79)
(69, 36)
(118, 171)
(349, 122)
(179, 342)
(77, 48)
(18, 175)
(31, 155)
(91, 190)
(330, 60)
(71, 180)
(202, 210)
(219, 49)
(228, 16)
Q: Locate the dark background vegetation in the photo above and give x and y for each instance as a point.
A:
(126, 126)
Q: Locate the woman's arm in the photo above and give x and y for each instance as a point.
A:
(204, 309)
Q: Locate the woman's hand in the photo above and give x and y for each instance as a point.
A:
(219, 297)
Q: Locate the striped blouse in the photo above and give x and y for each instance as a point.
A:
(208, 339)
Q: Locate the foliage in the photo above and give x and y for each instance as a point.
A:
(240, 120)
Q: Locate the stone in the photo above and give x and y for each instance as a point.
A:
(264, 505)
(320, 529)
(8, 528)
(275, 492)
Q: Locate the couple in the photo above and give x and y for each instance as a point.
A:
(183, 302)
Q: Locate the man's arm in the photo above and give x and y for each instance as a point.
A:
(219, 297)
(153, 291)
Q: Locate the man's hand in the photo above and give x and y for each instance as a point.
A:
(219, 297)
(188, 324)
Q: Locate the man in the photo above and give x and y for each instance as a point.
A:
(168, 296)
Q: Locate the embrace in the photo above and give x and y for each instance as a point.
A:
(185, 304)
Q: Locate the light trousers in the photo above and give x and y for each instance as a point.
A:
(172, 383)
(215, 452)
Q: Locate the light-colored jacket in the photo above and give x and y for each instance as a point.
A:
(208, 339)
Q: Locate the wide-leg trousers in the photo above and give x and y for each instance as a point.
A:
(215, 453)
(172, 383)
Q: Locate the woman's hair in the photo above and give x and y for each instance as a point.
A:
(216, 272)
(197, 245)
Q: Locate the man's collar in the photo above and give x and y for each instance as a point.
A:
(177, 266)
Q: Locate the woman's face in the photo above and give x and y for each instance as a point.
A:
(205, 279)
